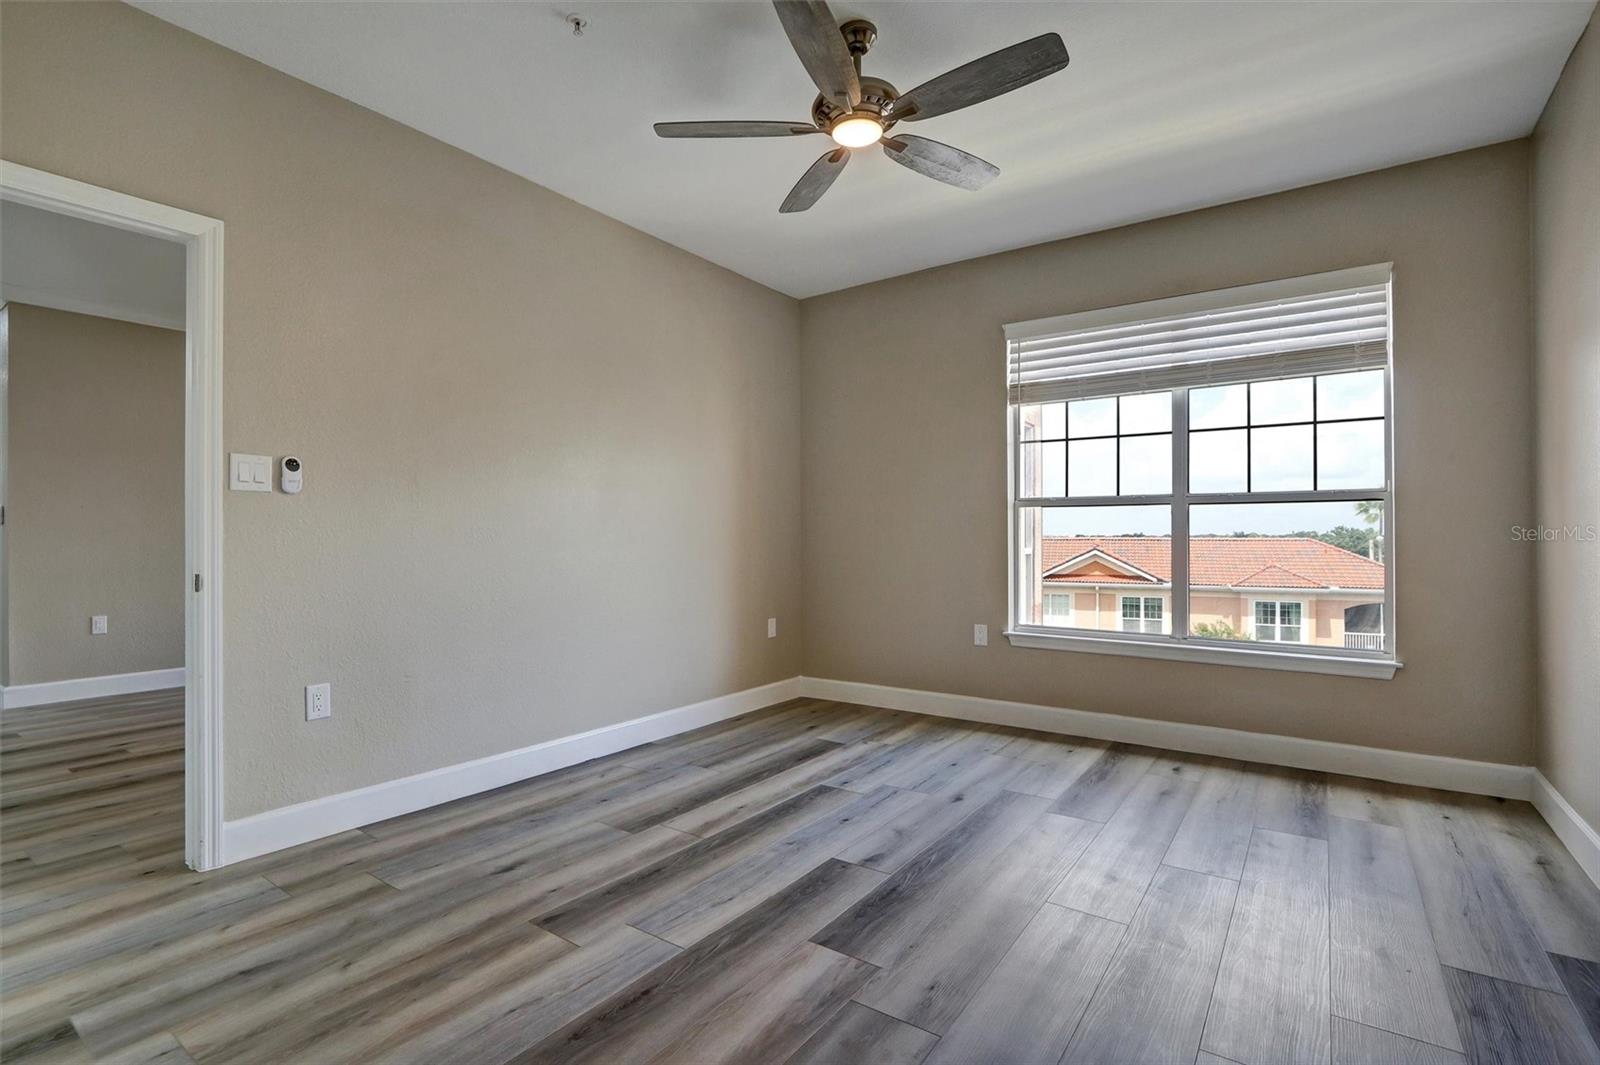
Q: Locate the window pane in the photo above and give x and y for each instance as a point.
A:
(1280, 459)
(1276, 402)
(1217, 461)
(1217, 408)
(1096, 555)
(1092, 417)
(1147, 413)
(1350, 395)
(1054, 421)
(1146, 465)
(1306, 573)
(1054, 460)
(1350, 455)
(1092, 467)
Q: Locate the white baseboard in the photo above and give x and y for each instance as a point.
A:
(288, 826)
(1569, 826)
(66, 691)
(1401, 767)
(303, 822)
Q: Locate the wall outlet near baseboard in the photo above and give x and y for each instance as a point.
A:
(319, 701)
(980, 636)
(772, 628)
(97, 625)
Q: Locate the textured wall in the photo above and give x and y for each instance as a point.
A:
(1566, 326)
(552, 464)
(905, 525)
(94, 517)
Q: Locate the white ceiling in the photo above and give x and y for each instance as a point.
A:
(55, 260)
(1166, 107)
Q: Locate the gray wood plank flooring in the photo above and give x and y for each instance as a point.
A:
(816, 883)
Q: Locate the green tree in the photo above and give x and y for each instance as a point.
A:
(1218, 630)
(1346, 536)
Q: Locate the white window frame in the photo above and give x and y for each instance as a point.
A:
(1072, 606)
(1177, 643)
(1279, 601)
(1144, 615)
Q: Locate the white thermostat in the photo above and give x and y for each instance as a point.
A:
(289, 475)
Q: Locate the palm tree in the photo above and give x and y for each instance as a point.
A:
(1371, 512)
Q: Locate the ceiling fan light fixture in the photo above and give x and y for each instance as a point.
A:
(857, 131)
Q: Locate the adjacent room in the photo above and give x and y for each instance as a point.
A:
(751, 532)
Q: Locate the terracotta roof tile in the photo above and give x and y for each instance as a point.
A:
(1220, 561)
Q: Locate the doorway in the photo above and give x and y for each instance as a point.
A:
(200, 578)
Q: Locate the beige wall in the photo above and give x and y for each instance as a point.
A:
(94, 517)
(1566, 326)
(552, 464)
(904, 400)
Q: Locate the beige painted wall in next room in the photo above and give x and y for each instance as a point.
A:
(94, 517)
(905, 521)
(1566, 329)
(551, 464)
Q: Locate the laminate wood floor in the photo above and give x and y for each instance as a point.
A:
(812, 883)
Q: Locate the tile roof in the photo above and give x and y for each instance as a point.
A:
(1215, 562)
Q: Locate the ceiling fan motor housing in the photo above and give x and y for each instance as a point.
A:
(876, 96)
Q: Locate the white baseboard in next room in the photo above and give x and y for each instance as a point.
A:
(17, 696)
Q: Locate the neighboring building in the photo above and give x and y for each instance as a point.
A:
(1285, 589)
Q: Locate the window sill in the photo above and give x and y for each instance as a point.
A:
(1336, 665)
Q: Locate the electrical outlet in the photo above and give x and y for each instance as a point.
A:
(97, 625)
(319, 701)
(980, 636)
(772, 627)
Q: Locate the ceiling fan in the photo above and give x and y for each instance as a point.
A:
(858, 111)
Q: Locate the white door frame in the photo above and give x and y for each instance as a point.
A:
(203, 470)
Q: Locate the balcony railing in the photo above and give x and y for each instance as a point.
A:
(1364, 641)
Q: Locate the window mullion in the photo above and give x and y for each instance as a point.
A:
(1180, 513)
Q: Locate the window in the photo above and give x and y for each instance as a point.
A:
(1217, 466)
(1279, 621)
(1141, 613)
(1058, 609)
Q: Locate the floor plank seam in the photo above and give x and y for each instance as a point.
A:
(1391, 1031)
(1216, 972)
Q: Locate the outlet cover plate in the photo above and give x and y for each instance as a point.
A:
(319, 701)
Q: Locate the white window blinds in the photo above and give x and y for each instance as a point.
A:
(1317, 324)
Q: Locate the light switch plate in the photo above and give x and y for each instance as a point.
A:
(249, 473)
(772, 628)
(980, 636)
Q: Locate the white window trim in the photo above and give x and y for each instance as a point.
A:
(1176, 644)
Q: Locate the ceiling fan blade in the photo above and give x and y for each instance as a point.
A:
(815, 181)
(821, 48)
(734, 129)
(940, 161)
(982, 79)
